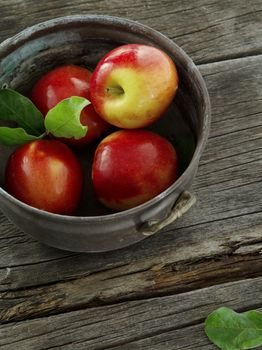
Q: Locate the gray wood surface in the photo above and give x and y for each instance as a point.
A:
(156, 294)
(208, 30)
(171, 322)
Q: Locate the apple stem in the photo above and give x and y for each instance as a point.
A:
(115, 90)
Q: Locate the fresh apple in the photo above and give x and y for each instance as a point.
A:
(133, 85)
(64, 82)
(46, 175)
(131, 167)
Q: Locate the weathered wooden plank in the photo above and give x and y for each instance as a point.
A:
(189, 338)
(207, 30)
(235, 90)
(136, 325)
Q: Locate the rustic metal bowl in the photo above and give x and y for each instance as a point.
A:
(84, 40)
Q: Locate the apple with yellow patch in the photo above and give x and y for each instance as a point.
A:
(131, 167)
(133, 85)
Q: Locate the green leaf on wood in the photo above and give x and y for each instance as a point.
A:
(230, 330)
(16, 136)
(64, 119)
(18, 108)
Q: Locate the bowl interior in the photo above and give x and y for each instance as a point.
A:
(85, 44)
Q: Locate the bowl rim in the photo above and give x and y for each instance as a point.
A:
(29, 33)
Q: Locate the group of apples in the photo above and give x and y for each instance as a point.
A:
(130, 88)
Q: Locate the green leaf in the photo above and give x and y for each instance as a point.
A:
(230, 330)
(18, 108)
(16, 136)
(64, 119)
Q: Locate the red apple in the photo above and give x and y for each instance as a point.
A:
(133, 85)
(132, 166)
(64, 82)
(46, 175)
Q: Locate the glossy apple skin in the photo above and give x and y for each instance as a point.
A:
(131, 167)
(46, 175)
(133, 85)
(64, 82)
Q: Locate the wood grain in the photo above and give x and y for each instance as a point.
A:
(219, 240)
(208, 30)
(170, 322)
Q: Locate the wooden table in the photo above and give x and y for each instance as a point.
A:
(155, 294)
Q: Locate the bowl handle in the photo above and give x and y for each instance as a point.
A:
(182, 205)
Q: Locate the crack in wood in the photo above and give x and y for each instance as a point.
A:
(157, 280)
(140, 323)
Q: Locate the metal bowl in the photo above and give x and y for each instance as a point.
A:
(84, 40)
